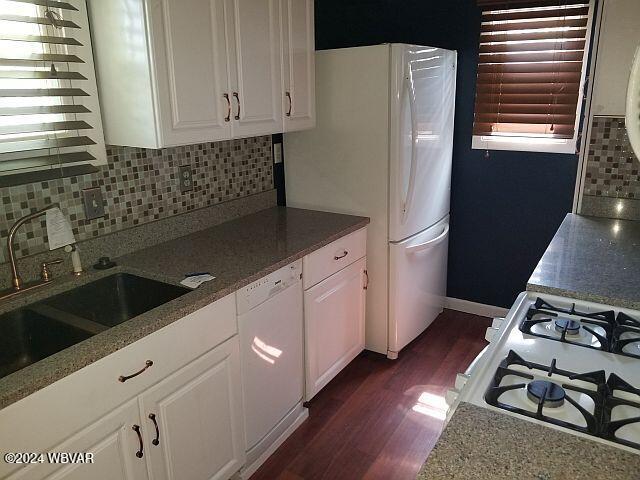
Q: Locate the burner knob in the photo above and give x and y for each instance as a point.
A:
(491, 333)
(461, 381)
(497, 322)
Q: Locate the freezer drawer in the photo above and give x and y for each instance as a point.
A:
(417, 284)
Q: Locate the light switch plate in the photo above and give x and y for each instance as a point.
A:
(93, 203)
(277, 153)
(186, 178)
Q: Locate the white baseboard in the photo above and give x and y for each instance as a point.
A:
(481, 309)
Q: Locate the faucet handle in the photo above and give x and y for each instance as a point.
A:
(45, 274)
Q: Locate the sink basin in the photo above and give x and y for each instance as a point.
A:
(27, 336)
(115, 299)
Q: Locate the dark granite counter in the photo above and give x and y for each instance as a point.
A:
(480, 444)
(593, 259)
(237, 253)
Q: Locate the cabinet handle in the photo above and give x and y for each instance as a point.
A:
(237, 97)
(338, 257)
(139, 453)
(124, 378)
(366, 280)
(155, 441)
(288, 94)
(228, 117)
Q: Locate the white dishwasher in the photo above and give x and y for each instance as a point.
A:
(270, 325)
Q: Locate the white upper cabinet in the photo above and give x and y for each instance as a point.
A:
(298, 64)
(178, 72)
(253, 30)
(191, 70)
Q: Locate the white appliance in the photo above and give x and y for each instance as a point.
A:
(270, 324)
(567, 364)
(632, 118)
(382, 148)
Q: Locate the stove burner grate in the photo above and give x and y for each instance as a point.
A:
(550, 394)
(547, 394)
(628, 327)
(543, 312)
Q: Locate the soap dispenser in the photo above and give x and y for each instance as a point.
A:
(75, 259)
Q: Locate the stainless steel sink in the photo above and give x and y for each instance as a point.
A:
(27, 336)
(35, 332)
(115, 299)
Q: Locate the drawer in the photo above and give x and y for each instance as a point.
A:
(334, 257)
(86, 395)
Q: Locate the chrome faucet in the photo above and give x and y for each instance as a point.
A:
(16, 281)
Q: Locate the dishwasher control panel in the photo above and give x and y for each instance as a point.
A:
(261, 290)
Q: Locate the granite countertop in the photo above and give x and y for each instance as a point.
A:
(237, 253)
(593, 259)
(480, 444)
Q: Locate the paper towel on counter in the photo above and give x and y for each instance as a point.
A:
(58, 229)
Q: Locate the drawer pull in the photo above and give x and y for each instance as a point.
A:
(155, 441)
(338, 257)
(139, 453)
(124, 378)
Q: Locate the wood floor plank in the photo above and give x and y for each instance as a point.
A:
(379, 418)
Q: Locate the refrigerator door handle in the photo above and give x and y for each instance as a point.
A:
(431, 243)
(408, 88)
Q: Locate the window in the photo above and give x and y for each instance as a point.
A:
(50, 122)
(531, 73)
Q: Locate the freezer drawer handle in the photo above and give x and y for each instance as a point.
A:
(338, 257)
(431, 243)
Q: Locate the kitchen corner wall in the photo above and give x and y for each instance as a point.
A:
(139, 186)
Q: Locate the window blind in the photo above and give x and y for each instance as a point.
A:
(49, 111)
(530, 69)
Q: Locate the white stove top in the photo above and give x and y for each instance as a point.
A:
(556, 368)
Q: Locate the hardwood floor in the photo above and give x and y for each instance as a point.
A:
(379, 419)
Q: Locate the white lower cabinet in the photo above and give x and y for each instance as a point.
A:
(334, 324)
(198, 416)
(114, 445)
(190, 387)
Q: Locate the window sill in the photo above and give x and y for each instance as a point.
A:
(14, 179)
(523, 144)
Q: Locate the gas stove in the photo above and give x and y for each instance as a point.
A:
(567, 364)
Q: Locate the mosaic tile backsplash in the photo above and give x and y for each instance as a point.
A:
(139, 186)
(612, 167)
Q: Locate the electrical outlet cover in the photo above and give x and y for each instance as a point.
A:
(186, 178)
(93, 203)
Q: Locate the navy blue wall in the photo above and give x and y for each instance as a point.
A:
(506, 208)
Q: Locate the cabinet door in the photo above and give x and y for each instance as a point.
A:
(253, 28)
(198, 414)
(113, 443)
(188, 41)
(298, 64)
(334, 325)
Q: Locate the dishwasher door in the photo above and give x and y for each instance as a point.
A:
(271, 339)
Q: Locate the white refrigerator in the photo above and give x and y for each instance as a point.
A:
(382, 148)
